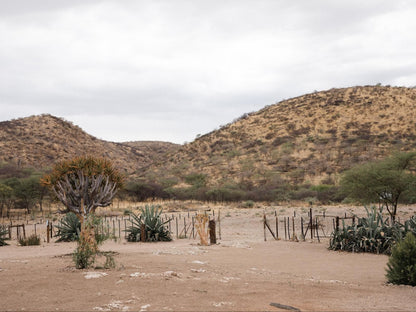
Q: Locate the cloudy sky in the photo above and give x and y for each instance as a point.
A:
(171, 69)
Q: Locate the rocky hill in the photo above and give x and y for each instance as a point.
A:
(40, 141)
(307, 139)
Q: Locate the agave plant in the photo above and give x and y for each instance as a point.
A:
(3, 232)
(154, 228)
(410, 225)
(70, 228)
(371, 234)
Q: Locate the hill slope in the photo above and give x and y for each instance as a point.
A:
(40, 141)
(307, 139)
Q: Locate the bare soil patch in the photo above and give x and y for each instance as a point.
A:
(241, 273)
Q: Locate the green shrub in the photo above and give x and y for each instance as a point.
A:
(126, 212)
(248, 204)
(401, 268)
(155, 229)
(84, 255)
(32, 240)
(3, 233)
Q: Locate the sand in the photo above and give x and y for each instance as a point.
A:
(240, 273)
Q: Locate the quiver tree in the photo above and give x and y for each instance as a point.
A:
(84, 183)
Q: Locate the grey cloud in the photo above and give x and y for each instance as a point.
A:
(178, 68)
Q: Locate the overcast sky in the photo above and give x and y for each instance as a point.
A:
(171, 69)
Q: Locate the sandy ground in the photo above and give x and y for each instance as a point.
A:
(241, 273)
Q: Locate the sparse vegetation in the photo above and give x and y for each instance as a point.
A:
(32, 240)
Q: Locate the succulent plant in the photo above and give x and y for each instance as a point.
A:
(154, 228)
(3, 232)
(372, 234)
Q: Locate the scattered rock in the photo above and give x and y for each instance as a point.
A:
(220, 304)
(90, 275)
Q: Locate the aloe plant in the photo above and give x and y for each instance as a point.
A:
(3, 232)
(154, 228)
(70, 228)
(370, 234)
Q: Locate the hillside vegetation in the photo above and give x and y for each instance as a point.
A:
(308, 140)
(295, 149)
(40, 141)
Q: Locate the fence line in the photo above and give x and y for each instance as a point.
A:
(317, 226)
(180, 223)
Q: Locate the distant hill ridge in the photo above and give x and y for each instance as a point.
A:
(307, 139)
(40, 141)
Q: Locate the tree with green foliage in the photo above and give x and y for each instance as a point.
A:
(381, 181)
(6, 193)
(401, 268)
(28, 192)
(141, 190)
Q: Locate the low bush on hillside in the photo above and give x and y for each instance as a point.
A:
(401, 268)
(373, 233)
(149, 218)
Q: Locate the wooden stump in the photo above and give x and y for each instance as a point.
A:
(212, 232)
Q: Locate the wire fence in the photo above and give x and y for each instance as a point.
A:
(302, 227)
(181, 225)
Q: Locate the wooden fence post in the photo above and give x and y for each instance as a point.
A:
(284, 219)
(301, 228)
(219, 224)
(212, 232)
(317, 228)
(277, 227)
(177, 230)
(143, 233)
(293, 228)
(47, 232)
(311, 222)
(119, 229)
